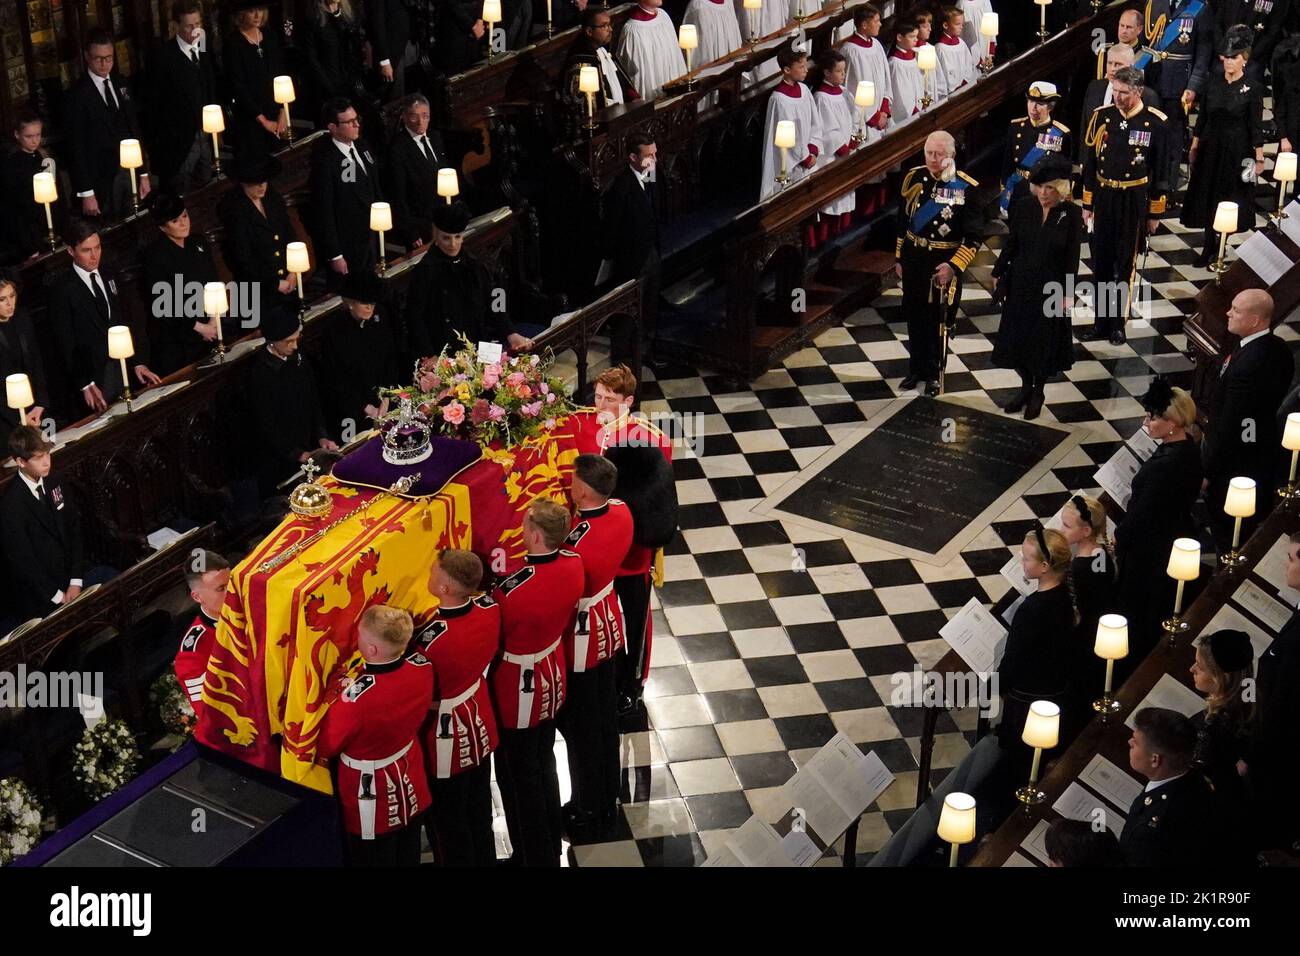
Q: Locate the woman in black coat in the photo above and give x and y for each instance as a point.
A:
(1093, 584)
(257, 230)
(1159, 511)
(252, 57)
(1040, 255)
(1036, 661)
(1286, 89)
(20, 353)
(175, 267)
(1221, 671)
(1228, 140)
(329, 39)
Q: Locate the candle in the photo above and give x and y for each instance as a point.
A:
(1042, 16)
(215, 304)
(214, 121)
(297, 262)
(751, 8)
(121, 348)
(784, 134)
(130, 158)
(18, 394)
(1225, 217)
(282, 90)
(926, 59)
(1284, 168)
(381, 220)
(1291, 440)
(45, 191)
(989, 31)
(449, 183)
(866, 94)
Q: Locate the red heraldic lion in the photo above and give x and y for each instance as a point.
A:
(601, 536)
(192, 659)
(372, 728)
(460, 643)
(539, 606)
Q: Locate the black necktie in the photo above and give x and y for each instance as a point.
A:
(101, 300)
(194, 57)
(357, 159)
(427, 150)
(110, 98)
(40, 491)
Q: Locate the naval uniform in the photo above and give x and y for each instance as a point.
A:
(937, 223)
(1124, 185)
(372, 726)
(539, 607)
(1027, 146)
(1180, 47)
(589, 720)
(460, 732)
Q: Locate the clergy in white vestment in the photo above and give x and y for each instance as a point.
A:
(837, 124)
(974, 11)
(719, 32)
(648, 49)
(791, 100)
(867, 60)
(955, 58)
(904, 75)
(771, 18)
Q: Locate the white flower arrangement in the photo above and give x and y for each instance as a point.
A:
(174, 707)
(105, 758)
(20, 820)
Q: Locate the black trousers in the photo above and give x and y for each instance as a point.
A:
(631, 665)
(623, 332)
(398, 848)
(589, 723)
(1172, 107)
(923, 305)
(1118, 227)
(530, 792)
(460, 820)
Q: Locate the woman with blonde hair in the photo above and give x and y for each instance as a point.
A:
(252, 56)
(1160, 510)
(1220, 671)
(1036, 662)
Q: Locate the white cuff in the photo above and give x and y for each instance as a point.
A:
(88, 194)
(336, 258)
(385, 62)
(75, 583)
(84, 387)
(58, 598)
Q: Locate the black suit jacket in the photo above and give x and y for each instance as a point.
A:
(629, 226)
(19, 352)
(413, 184)
(179, 90)
(1173, 825)
(1250, 389)
(389, 30)
(341, 196)
(42, 544)
(1271, 732)
(94, 132)
(254, 244)
(82, 335)
(1093, 96)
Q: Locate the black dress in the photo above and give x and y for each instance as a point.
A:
(1229, 127)
(1036, 662)
(356, 359)
(172, 274)
(285, 411)
(448, 297)
(1093, 578)
(331, 53)
(250, 69)
(1037, 253)
(1160, 510)
(19, 352)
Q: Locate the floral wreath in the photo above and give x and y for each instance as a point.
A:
(174, 707)
(20, 820)
(105, 758)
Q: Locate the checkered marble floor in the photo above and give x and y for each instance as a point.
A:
(771, 638)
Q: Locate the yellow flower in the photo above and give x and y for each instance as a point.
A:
(462, 392)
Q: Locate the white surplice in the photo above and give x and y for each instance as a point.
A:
(906, 84)
(719, 33)
(789, 102)
(956, 66)
(974, 11)
(836, 121)
(867, 60)
(648, 51)
(771, 19)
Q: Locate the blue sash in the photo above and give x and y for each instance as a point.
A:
(1031, 159)
(932, 208)
(1171, 33)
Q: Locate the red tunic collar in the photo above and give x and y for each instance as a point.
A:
(833, 90)
(790, 89)
(644, 15)
(904, 54)
(948, 41)
(860, 40)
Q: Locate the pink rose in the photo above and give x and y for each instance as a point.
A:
(532, 410)
(550, 398)
(496, 413)
(454, 413)
(493, 369)
(458, 377)
(515, 379)
(523, 391)
(479, 414)
(545, 388)
(490, 379)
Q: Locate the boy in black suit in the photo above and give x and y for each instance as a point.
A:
(630, 237)
(42, 531)
(1242, 434)
(344, 182)
(183, 81)
(83, 305)
(100, 113)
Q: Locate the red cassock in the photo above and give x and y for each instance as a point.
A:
(192, 658)
(539, 606)
(601, 536)
(372, 727)
(460, 643)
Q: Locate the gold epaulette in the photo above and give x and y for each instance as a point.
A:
(1163, 117)
(967, 178)
(1019, 119)
(1061, 126)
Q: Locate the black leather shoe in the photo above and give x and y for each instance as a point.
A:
(1090, 335)
(1034, 406)
(1118, 337)
(627, 704)
(1017, 402)
(908, 383)
(932, 389)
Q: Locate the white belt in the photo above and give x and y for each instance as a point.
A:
(445, 738)
(582, 633)
(365, 796)
(527, 664)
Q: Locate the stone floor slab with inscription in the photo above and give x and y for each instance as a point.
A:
(922, 477)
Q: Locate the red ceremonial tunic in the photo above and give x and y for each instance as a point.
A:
(192, 658)
(372, 727)
(461, 643)
(539, 605)
(601, 536)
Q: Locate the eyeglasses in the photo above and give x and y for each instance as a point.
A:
(355, 121)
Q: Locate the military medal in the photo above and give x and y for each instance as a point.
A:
(944, 230)
(947, 212)
(1123, 124)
